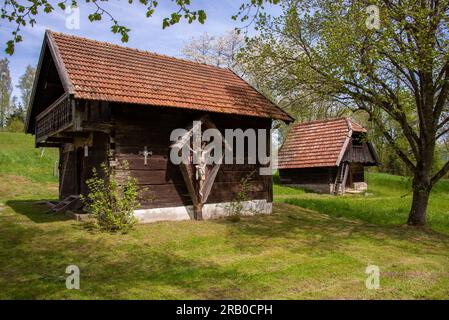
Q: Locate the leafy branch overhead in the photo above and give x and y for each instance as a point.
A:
(22, 14)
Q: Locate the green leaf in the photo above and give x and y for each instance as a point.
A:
(165, 23)
(202, 16)
(9, 47)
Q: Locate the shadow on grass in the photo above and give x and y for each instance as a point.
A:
(36, 210)
(112, 267)
(381, 211)
(324, 233)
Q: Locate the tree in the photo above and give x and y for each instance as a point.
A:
(390, 61)
(25, 85)
(5, 90)
(274, 75)
(200, 49)
(218, 51)
(15, 121)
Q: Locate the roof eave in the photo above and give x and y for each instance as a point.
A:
(60, 67)
(287, 118)
(49, 43)
(35, 81)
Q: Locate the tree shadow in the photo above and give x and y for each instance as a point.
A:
(36, 210)
(297, 228)
(112, 267)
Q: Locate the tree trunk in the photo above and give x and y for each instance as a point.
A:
(421, 194)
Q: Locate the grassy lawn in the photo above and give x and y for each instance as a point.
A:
(19, 157)
(387, 202)
(294, 253)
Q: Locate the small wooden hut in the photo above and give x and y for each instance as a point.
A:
(98, 102)
(327, 156)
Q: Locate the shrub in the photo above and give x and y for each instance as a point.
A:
(111, 203)
(235, 208)
(15, 125)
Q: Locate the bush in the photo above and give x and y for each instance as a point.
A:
(110, 203)
(235, 208)
(15, 125)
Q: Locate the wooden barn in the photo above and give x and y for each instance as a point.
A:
(327, 156)
(98, 102)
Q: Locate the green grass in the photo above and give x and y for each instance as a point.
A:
(292, 254)
(18, 156)
(387, 202)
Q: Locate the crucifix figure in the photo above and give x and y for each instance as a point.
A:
(145, 153)
(200, 174)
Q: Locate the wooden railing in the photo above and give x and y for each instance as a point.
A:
(57, 117)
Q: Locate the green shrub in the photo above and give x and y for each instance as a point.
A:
(111, 203)
(235, 208)
(15, 125)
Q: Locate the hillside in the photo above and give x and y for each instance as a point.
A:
(19, 156)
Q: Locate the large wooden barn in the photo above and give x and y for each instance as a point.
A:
(97, 102)
(327, 156)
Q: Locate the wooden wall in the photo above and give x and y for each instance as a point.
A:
(77, 167)
(138, 126)
(357, 172)
(67, 172)
(324, 175)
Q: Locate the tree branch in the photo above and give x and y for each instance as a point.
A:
(440, 174)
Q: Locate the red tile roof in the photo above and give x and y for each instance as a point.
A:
(317, 144)
(102, 71)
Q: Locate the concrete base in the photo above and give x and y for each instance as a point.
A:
(360, 186)
(210, 211)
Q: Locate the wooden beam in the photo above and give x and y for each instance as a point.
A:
(210, 179)
(187, 174)
(59, 140)
(48, 145)
(198, 197)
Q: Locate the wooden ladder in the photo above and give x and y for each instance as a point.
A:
(69, 203)
(340, 180)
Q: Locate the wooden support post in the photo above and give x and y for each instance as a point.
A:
(198, 211)
(345, 177)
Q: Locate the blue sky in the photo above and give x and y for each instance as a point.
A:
(146, 33)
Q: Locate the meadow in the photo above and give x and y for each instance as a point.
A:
(387, 202)
(311, 247)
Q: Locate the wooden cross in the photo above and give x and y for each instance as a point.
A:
(145, 153)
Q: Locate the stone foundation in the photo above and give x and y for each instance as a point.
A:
(210, 211)
(329, 188)
(360, 186)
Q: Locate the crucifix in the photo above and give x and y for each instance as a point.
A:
(145, 153)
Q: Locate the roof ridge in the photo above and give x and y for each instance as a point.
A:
(320, 121)
(348, 122)
(135, 49)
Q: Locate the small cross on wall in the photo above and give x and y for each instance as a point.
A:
(145, 154)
